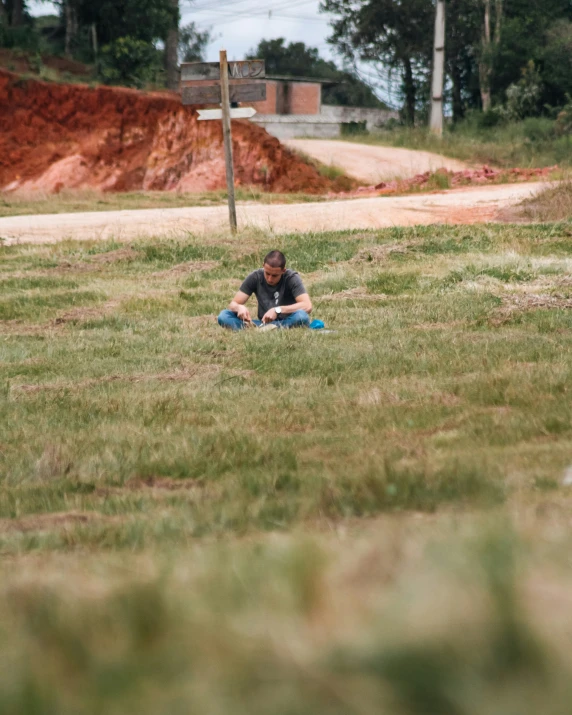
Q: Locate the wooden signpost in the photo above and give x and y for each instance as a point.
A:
(223, 83)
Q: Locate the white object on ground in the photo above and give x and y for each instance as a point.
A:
(567, 478)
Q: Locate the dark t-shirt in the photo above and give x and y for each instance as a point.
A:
(283, 293)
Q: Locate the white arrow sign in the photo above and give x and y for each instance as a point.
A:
(241, 113)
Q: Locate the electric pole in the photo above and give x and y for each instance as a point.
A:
(436, 122)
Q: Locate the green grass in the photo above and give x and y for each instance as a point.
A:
(530, 143)
(193, 520)
(70, 201)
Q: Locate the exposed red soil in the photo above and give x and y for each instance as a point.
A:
(429, 180)
(55, 136)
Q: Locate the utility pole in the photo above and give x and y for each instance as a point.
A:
(436, 122)
(227, 138)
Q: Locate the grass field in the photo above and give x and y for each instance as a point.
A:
(370, 520)
(72, 201)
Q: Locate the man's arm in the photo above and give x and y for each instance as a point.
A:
(303, 302)
(237, 306)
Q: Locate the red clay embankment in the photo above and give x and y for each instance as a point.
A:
(56, 136)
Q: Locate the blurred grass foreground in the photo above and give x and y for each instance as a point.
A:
(371, 520)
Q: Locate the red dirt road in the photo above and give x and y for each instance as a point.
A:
(467, 205)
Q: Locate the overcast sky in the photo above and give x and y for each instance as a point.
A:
(239, 25)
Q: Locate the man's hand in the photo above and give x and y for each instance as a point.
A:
(269, 316)
(244, 314)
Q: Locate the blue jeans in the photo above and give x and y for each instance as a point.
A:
(299, 319)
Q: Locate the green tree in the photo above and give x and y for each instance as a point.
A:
(172, 48)
(129, 31)
(527, 32)
(463, 31)
(146, 20)
(12, 13)
(193, 43)
(129, 61)
(394, 34)
(557, 62)
(298, 60)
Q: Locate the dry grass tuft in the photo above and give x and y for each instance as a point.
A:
(517, 303)
(49, 522)
(185, 268)
(553, 204)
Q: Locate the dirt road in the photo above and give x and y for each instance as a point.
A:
(467, 205)
(373, 164)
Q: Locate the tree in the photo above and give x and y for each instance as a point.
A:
(462, 41)
(135, 26)
(526, 36)
(388, 33)
(172, 48)
(12, 13)
(71, 8)
(298, 60)
(193, 43)
(557, 62)
(489, 44)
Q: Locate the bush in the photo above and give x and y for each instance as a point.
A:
(129, 61)
(563, 125)
(523, 97)
(23, 38)
(538, 129)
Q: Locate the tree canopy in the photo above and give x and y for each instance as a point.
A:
(131, 41)
(489, 45)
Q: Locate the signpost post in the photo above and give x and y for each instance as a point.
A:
(227, 138)
(224, 82)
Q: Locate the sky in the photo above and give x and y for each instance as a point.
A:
(239, 25)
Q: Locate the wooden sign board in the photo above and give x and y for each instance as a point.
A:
(211, 93)
(245, 69)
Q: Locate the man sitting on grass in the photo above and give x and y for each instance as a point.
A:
(282, 298)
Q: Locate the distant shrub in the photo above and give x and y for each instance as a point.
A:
(490, 118)
(23, 38)
(563, 126)
(523, 97)
(538, 129)
(130, 62)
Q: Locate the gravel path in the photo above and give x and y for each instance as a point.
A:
(466, 205)
(373, 164)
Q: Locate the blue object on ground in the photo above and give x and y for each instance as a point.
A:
(317, 325)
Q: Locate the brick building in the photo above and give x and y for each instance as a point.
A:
(287, 96)
(293, 108)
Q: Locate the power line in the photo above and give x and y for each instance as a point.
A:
(223, 17)
(276, 5)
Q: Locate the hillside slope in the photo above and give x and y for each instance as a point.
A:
(55, 136)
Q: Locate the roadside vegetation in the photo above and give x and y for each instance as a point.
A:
(297, 522)
(72, 201)
(533, 142)
(552, 204)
